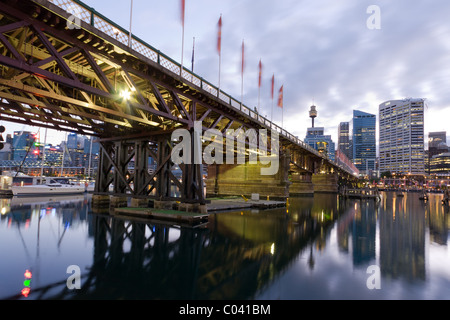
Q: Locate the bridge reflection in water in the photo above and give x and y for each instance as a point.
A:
(237, 255)
(244, 254)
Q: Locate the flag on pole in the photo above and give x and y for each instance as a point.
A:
(183, 11)
(280, 97)
(273, 86)
(260, 74)
(193, 53)
(219, 36)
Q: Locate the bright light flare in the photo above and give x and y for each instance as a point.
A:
(126, 95)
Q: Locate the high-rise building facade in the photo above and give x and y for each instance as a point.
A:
(440, 164)
(362, 130)
(437, 143)
(344, 139)
(402, 136)
(22, 143)
(316, 139)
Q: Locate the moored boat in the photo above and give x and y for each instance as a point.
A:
(51, 186)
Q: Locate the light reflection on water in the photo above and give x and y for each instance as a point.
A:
(317, 248)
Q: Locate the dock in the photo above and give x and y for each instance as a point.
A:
(241, 203)
(190, 218)
(365, 193)
(193, 218)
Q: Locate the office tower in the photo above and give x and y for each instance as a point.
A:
(72, 141)
(316, 139)
(22, 143)
(440, 164)
(344, 139)
(437, 143)
(402, 136)
(362, 130)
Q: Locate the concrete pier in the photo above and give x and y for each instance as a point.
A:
(325, 183)
(246, 179)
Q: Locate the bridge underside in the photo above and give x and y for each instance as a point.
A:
(84, 79)
(166, 182)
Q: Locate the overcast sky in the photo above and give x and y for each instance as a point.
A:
(321, 51)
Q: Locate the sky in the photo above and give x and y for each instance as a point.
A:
(321, 51)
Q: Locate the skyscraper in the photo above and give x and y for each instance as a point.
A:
(22, 142)
(437, 143)
(344, 139)
(316, 139)
(362, 130)
(402, 136)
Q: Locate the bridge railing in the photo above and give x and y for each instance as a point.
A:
(89, 15)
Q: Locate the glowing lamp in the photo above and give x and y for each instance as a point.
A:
(126, 95)
(27, 283)
(25, 292)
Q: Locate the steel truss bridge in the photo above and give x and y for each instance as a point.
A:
(66, 67)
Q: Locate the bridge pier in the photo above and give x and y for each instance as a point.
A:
(246, 179)
(325, 182)
(302, 185)
(139, 202)
(124, 167)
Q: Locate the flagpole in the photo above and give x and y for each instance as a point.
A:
(220, 65)
(220, 51)
(193, 57)
(282, 109)
(193, 54)
(43, 153)
(182, 53)
(182, 40)
(131, 24)
(273, 87)
(259, 84)
(242, 74)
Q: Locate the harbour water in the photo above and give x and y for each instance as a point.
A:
(316, 248)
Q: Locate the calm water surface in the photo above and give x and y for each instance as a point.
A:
(316, 248)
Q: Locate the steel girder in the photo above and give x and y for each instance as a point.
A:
(166, 181)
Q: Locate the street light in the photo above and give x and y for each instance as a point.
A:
(126, 94)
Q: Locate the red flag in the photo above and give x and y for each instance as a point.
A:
(273, 85)
(260, 73)
(280, 97)
(183, 11)
(219, 36)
